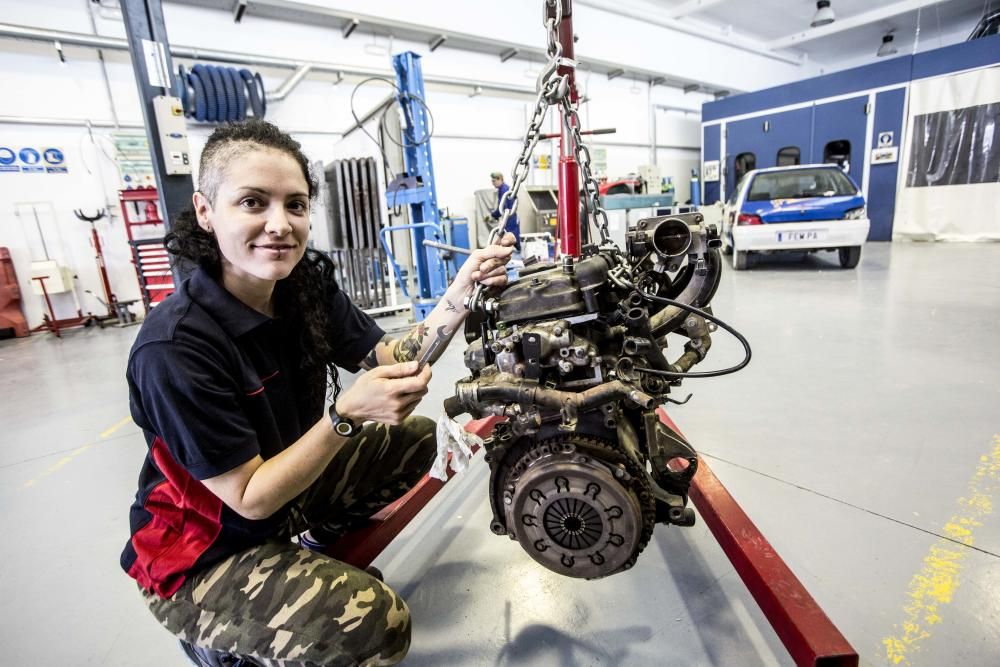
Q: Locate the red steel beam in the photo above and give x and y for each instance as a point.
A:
(360, 547)
(806, 631)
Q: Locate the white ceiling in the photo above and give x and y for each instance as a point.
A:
(783, 25)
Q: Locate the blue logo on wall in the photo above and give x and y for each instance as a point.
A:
(29, 156)
(7, 156)
(54, 156)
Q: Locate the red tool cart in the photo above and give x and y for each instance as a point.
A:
(149, 255)
(11, 317)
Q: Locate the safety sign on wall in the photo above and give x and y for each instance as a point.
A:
(29, 160)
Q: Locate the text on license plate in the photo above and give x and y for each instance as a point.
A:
(801, 235)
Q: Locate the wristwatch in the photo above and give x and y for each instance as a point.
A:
(342, 425)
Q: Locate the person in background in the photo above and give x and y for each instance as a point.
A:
(513, 226)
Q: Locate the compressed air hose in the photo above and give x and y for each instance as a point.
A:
(221, 94)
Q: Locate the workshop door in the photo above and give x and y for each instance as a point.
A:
(758, 140)
(889, 110)
(839, 135)
(711, 144)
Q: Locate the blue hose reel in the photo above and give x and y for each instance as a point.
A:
(220, 94)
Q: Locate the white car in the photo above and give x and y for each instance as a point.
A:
(798, 208)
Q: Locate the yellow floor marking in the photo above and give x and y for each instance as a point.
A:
(106, 433)
(935, 585)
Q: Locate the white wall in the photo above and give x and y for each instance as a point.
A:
(475, 135)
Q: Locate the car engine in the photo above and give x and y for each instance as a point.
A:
(572, 355)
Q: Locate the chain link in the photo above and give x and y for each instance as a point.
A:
(553, 88)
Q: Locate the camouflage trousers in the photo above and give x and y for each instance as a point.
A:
(279, 604)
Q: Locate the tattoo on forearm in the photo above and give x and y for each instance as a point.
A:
(450, 307)
(408, 347)
(371, 361)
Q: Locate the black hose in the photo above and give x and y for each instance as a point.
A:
(708, 316)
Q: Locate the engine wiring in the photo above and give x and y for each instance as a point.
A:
(747, 353)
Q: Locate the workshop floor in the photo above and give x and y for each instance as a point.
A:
(862, 439)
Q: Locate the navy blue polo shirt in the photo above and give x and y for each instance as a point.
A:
(212, 384)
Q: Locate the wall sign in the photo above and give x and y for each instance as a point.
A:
(885, 139)
(7, 159)
(886, 155)
(711, 171)
(31, 160)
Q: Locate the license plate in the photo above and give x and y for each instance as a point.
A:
(801, 235)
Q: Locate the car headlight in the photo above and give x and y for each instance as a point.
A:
(856, 213)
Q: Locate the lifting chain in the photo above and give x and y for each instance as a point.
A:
(553, 88)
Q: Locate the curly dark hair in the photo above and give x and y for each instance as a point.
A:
(303, 295)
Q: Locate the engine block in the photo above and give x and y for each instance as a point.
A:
(572, 355)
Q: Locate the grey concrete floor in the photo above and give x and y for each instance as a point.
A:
(862, 439)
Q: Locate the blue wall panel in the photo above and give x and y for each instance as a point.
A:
(711, 144)
(885, 73)
(958, 57)
(788, 128)
(889, 107)
(834, 121)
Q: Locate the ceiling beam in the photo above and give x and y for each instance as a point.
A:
(851, 22)
(692, 7)
(304, 12)
(711, 34)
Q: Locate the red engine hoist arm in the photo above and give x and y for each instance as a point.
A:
(569, 170)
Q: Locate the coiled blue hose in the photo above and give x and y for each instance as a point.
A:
(221, 94)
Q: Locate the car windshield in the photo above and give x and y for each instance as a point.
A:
(800, 183)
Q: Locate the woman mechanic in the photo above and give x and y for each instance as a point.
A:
(228, 379)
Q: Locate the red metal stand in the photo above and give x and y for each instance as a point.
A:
(54, 324)
(806, 631)
(11, 316)
(809, 635)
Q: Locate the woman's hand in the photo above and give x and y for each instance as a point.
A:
(385, 394)
(486, 265)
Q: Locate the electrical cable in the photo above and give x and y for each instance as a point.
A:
(389, 174)
(708, 316)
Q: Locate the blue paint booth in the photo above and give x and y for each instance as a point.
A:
(837, 118)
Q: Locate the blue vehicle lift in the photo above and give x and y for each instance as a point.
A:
(430, 267)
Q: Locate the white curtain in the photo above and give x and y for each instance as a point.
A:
(948, 184)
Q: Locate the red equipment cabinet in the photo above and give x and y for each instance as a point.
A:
(149, 255)
(11, 316)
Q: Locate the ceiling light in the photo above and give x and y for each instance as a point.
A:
(887, 48)
(349, 27)
(508, 54)
(437, 41)
(615, 73)
(238, 10)
(823, 15)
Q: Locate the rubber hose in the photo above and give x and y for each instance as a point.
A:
(222, 103)
(232, 111)
(200, 108)
(239, 90)
(263, 94)
(182, 92)
(254, 98)
(211, 100)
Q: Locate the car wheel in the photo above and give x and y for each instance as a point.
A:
(740, 259)
(849, 256)
(726, 248)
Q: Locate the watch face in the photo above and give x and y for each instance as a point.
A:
(343, 428)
